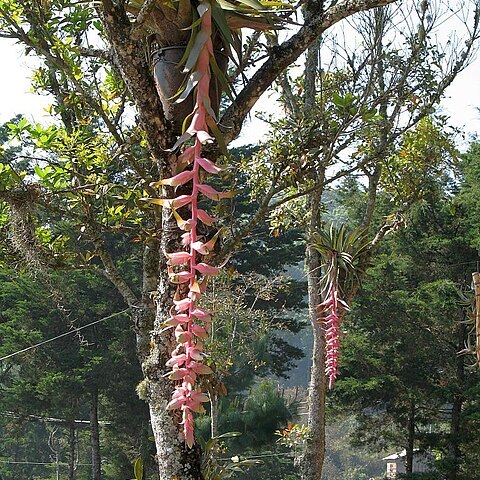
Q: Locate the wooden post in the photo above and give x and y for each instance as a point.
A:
(476, 285)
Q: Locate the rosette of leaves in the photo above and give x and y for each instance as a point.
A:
(173, 22)
(178, 23)
(339, 249)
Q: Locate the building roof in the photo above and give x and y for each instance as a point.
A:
(402, 454)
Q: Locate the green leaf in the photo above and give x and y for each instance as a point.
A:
(217, 134)
(138, 469)
(253, 4)
(196, 23)
(218, 16)
(200, 40)
(221, 78)
(229, 435)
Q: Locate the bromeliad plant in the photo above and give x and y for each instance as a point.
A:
(191, 323)
(339, 250)
(175, 34)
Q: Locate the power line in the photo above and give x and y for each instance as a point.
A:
(253, 457)
(70, 332)
(39, 418)
(43, 463)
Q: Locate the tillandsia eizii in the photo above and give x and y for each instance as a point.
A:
(332, 310)
(339, 249)
(190, 321)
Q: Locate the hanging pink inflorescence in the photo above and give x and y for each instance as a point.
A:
(332, 310)
(331, 328)
(190, 321)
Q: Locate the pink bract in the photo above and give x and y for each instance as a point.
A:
(188, 357)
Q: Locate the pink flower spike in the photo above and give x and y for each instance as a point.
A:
(186, 239)
(199, 396)
(178, 373)
(178, 258)
(180, 277)
(177, 360)
(181, 335)
(182, 305)
(181, 201)
(199, 331)
(200, 247)
(191, 378)
(210, 192)
(201, 368)
(176, 403)
(188, 429)
(204, 137)
(205, 269)
(202, 314)
(185, 225)
(208, 165)
(177, 180)
(195, 353)
(198, 122)
(186, 158)
(204, 82)
(205, 218)
(177, 320)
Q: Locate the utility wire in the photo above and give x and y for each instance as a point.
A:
(43, 463)
(70, 332)
(240, 459)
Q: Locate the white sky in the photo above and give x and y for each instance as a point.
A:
(461, 102)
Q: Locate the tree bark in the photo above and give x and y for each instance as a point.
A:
(314, 448)
(175, 460)
(410, 438)
(95, 436)
(454, 453)
(312, 459)
(72, 450)
(214, 415)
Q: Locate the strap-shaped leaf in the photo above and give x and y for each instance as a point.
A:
(217, 134)
(181, 140)
(252, 3)
(208, 107)
(175, 181)
(196, 23)
(191, 40)
(213, 194)
(218, 16)
(200, 40)
(219, 75)
(209, 166)
(184, 91)
(185, 124)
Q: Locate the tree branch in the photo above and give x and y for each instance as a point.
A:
(283, 56)
(112, 273)
(130, 57)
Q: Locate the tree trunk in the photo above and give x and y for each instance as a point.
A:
(311, 462)
(175, 460)
(72, 450)
(57, 466)
(454, 436)
(95, 436)
(410, 438)
(213, 415)
(312, 459)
